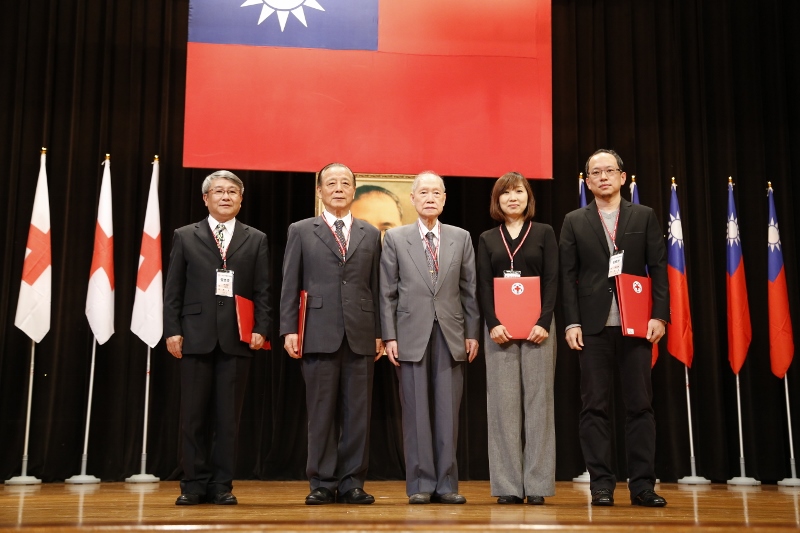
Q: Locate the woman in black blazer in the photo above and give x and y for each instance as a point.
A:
(519, 372)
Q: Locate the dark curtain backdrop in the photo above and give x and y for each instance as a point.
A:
(695, 89)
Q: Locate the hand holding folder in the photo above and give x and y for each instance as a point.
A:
(635, 304)
(245, 317)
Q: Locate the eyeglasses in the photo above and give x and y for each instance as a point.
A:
(232, 193)
(610, 172)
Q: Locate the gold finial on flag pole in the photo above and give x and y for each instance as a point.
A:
(44, 150)
(633, 178)
(673, 180)
(580, 177)
(730, 180)
(156, 157)
(108, 156)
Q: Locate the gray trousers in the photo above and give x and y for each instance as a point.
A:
(521, 424)
(430, 391)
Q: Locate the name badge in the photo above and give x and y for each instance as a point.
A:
(512, 273)
(225, 282)
(615, 264)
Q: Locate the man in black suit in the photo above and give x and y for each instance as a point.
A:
(211, 261)
(610, 225)
(335, 258)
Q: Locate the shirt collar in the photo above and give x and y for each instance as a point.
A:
(229, 225)
(330, 219)
(423, 230)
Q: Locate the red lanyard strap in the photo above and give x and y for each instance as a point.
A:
(612, 235)
(510, 255)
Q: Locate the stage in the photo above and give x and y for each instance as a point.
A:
(278, 506)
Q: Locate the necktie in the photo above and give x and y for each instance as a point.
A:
(429, 254)
(339, 224)
(220, 233)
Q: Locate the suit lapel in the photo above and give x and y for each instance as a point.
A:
(593, 219)
(323, 231)
(625, 214)
(446, 254)
(203, 232)
(357, 234)
(240, 234)
(417, 254)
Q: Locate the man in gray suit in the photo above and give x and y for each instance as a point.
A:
(211, 261)
(430, 320)
(335, 258)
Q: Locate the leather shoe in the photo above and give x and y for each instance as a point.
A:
(450, 497)
(356, 496)
(189, 499)
(535, 500)
(419, 498)
(603, 498)
(320, 496)
(509, 499)
(224, 498)
(648, 498)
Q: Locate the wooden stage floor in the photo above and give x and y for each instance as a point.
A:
(278, 506)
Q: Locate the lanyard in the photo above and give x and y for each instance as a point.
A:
(222, 252)
(510, 255)
(434, 253)
(612, 235)
(342, 245)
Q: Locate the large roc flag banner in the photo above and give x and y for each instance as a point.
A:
(462, 87)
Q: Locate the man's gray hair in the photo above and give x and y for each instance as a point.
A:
(226, 175)
(423, 174)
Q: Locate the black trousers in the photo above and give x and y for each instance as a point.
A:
(212, 394)
(339, 402)
(602, 355)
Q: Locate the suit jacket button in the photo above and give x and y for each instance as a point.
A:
(344, 282)
(220, 303)
(340, 263)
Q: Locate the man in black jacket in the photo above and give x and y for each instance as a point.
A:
(591, 235)
(211, 262)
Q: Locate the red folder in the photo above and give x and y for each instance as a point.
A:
(518, 304)
(301, 321)
(246, 320)
(635, 304)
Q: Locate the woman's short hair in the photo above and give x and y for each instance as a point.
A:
(507, 181)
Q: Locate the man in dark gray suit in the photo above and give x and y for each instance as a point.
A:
(430, 320)
(211, 261)
(335, 258)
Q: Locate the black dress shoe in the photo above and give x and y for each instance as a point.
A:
(320, 496)
(224, 498)
(189, 499)
(535, 500)
(450, 497)
(648, 498)
(356, 496)
(603, 498)
(419, 498)
(509, 499)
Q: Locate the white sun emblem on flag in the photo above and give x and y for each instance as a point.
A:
(517, 288)
(283, 8)
(733, 231)
(773, 236)
(675, 230)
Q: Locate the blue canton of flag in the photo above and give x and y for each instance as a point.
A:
(675, 257)
(582, 191)
(734, 248)
(775, 255)
(333, 25)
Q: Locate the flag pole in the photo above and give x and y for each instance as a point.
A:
(789, 481)
(24, 478)
(583, 478)
(741, 480)
(83, 478)
(143, 477)
(694, 479)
